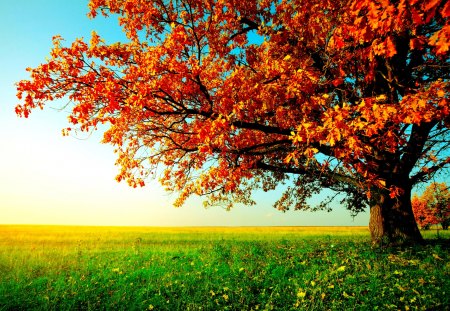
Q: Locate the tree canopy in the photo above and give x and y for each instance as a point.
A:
(433, 206)
(231, 96)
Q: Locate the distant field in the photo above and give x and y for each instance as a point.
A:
(218, 268)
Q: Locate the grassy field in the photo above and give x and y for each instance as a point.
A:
(270, 268)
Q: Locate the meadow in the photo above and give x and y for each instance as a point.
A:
(255, 268)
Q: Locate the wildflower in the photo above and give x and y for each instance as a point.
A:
(301, 293)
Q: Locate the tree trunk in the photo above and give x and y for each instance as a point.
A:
(392, 220)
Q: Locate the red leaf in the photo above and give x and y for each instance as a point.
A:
(445, 12)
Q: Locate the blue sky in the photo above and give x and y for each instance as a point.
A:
(50, 179)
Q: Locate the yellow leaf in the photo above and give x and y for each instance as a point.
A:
(288, 158)
(437, 257)
(381, 97)
(301, 293)
(346, 295)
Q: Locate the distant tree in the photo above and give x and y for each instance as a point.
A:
(424, 216)
(433, 206)
(231, 96)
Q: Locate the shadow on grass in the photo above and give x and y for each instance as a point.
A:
(442, 242)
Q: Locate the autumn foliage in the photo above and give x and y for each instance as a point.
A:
(433, 206)
(224, 97)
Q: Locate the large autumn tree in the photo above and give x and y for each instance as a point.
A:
(229, 96)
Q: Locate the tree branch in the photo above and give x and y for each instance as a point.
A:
(263, 128)
(251, 25)
(415, 145)
(420, 176)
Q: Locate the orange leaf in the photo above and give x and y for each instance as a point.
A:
(431, 5)
(445, 12)
(390, 47)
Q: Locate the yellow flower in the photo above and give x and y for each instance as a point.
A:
(301, 293)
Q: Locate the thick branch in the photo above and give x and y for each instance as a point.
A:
(264, 148)
(251, 25)
(263, 128)
(326, 177)
(416, 143)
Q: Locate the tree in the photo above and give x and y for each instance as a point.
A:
(433, 206)
(424, 215)
(232, 96)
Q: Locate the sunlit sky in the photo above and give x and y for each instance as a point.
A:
(49, 179)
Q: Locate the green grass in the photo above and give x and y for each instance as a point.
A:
(87, 268)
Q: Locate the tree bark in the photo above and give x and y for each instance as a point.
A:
(392, 220)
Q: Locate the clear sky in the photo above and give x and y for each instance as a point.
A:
(49, 179)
